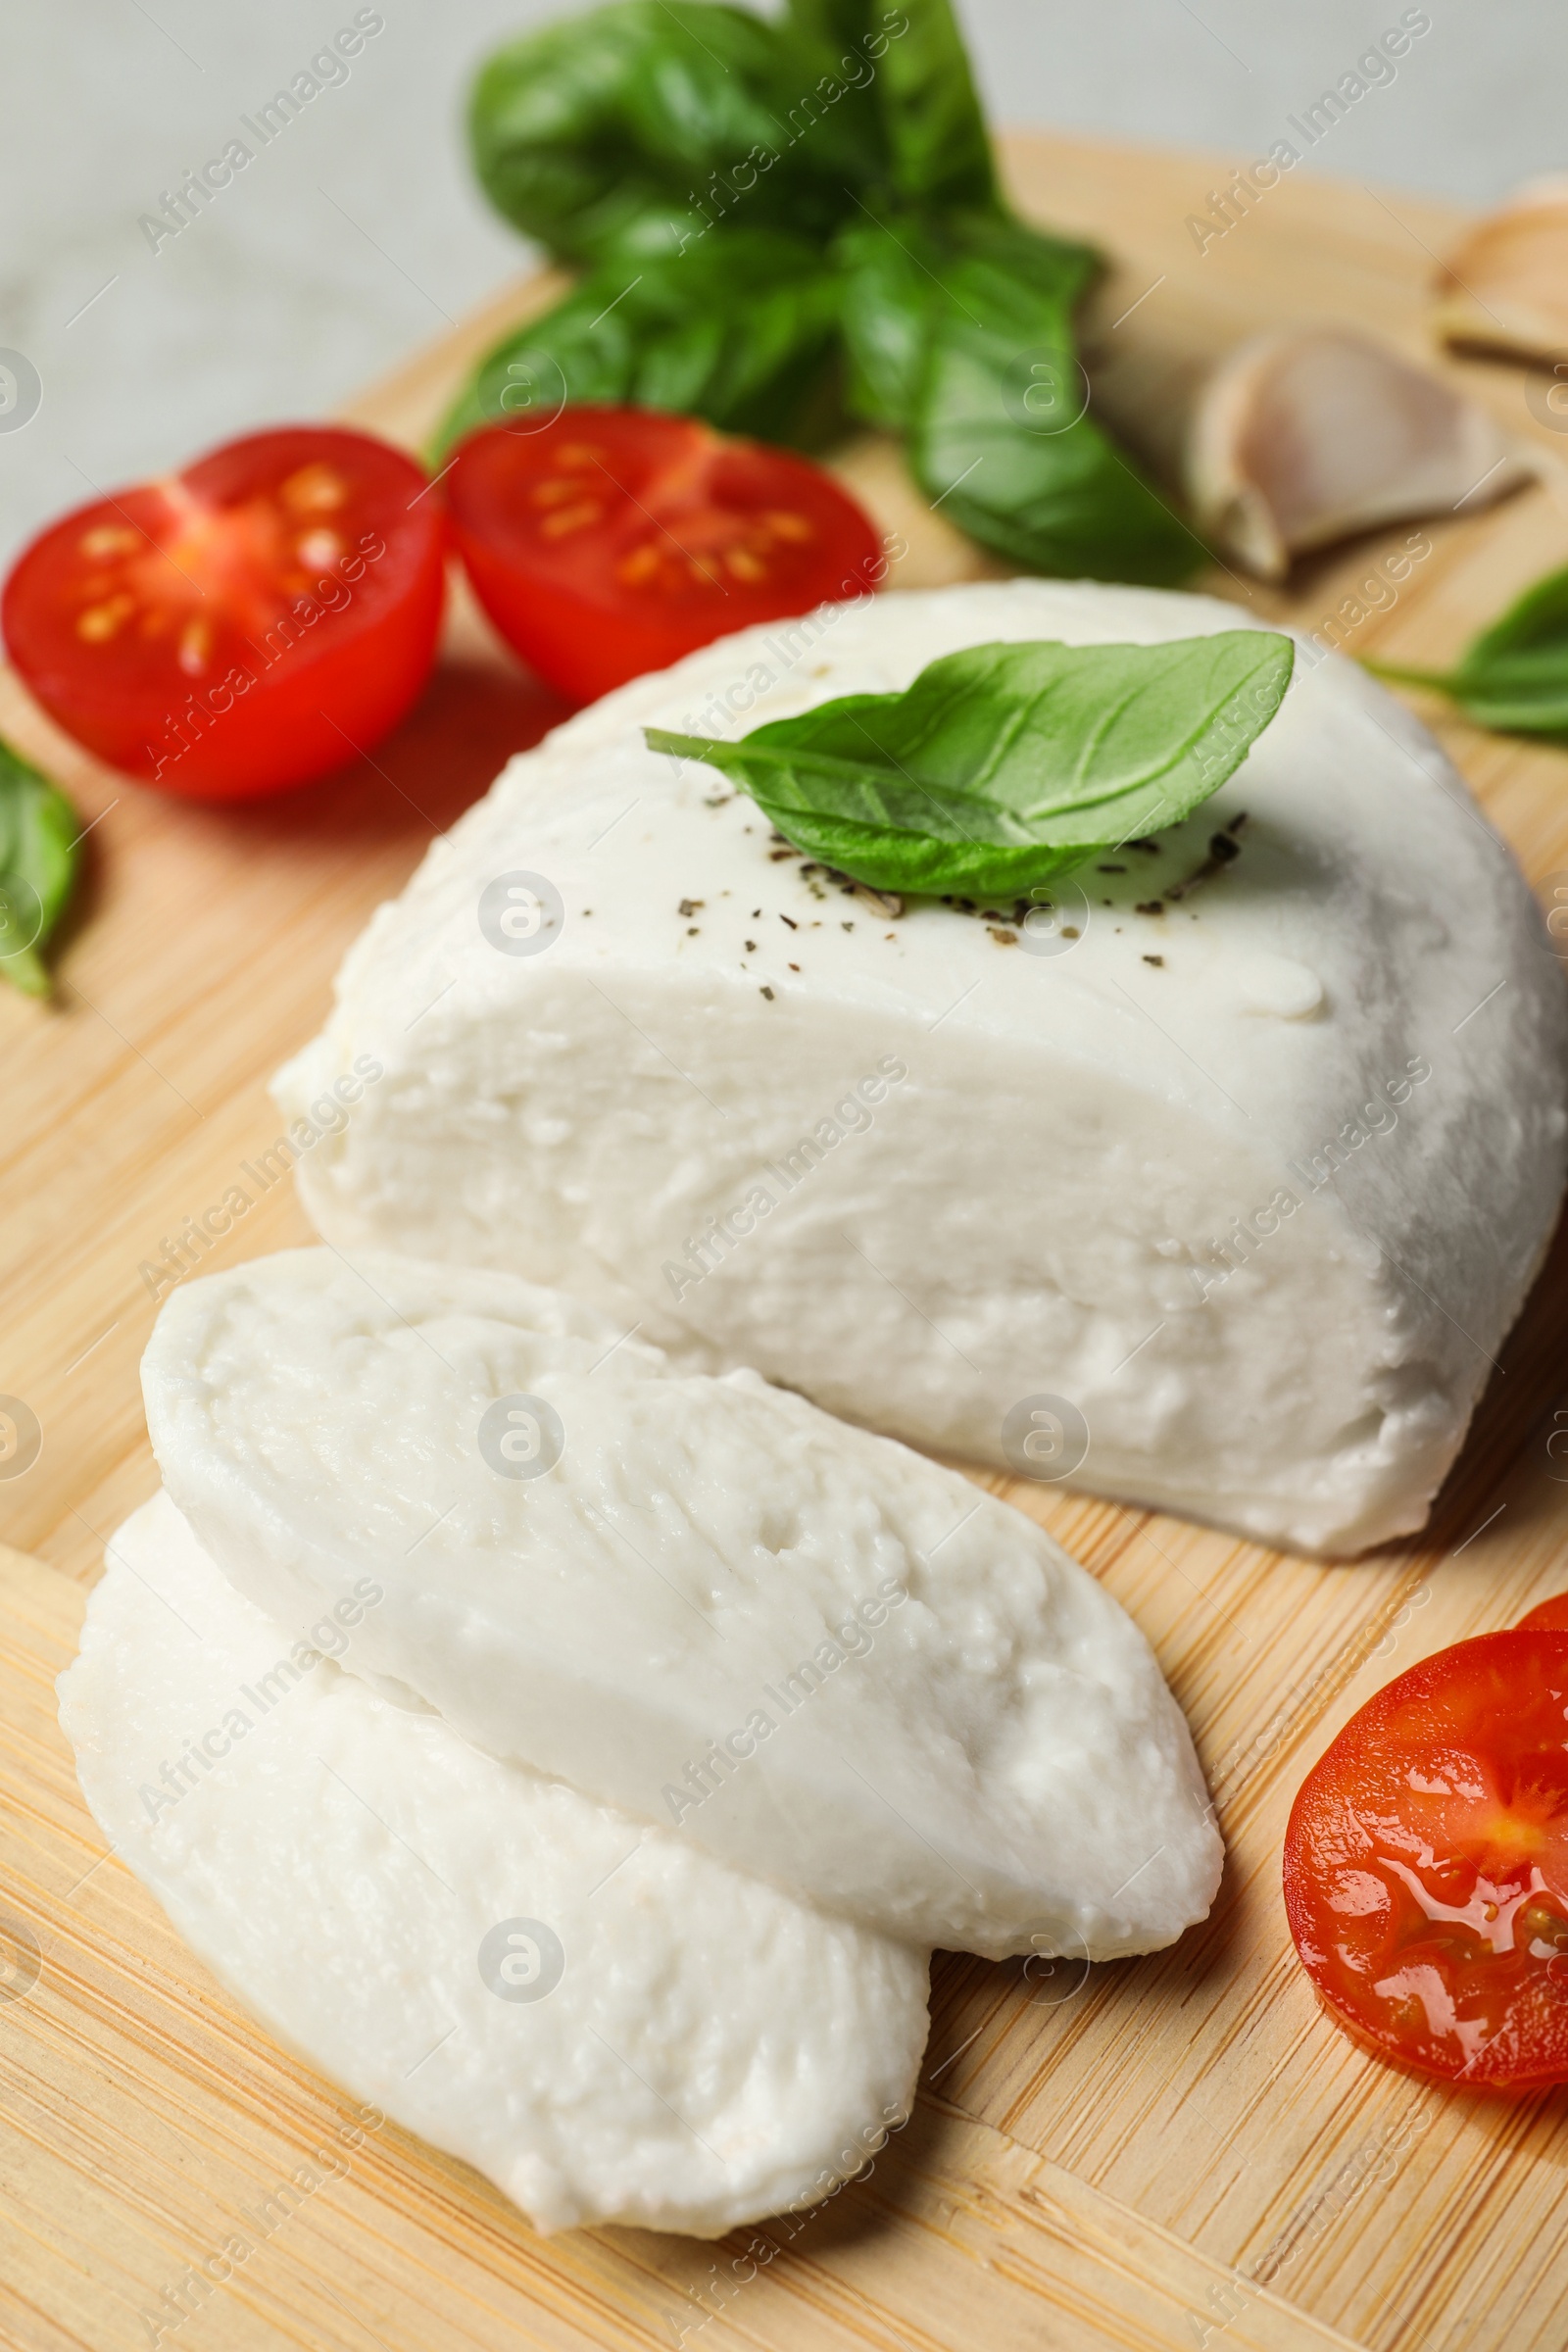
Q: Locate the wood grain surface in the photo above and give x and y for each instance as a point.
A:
(1174, 2151)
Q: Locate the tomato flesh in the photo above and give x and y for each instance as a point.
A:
(1426, 1865)
(613, 541)
(244, 625)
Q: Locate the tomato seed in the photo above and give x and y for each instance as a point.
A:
(570, 518)
(100, 622)
(107, 539)
(195, 644)
(315, 489)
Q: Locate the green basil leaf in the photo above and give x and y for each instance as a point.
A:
(1004, 765)
(1534, 624)
(938, 147)
(741, 328)
(838, 42)
(900, 277)
(1513, 677)
(933, 147)
(886, 304)
(829, 23)
(960, 333)
(1062, 501)
(39, 853)
(636, 126)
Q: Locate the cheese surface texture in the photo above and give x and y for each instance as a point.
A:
(607, 2022)
(702, 1600)
(1246, 1157)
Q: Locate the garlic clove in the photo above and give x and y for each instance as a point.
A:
(1504, 287)
(1303, 438)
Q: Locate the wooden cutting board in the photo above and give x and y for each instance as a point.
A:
(1177, 2152)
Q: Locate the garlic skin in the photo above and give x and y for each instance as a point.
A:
(1504, 287)
(1303, 438)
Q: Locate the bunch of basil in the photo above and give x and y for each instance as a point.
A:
(779, 220)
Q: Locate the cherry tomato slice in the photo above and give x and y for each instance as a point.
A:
(1547, 1616)
(243, 626)
(613, 541)
(1426, 1866)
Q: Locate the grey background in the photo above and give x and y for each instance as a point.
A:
(357, 234)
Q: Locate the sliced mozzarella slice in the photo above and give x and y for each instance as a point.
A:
(1198, 1151)
(610, 2024)
(702, 1600)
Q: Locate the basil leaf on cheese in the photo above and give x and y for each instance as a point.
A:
(1004, 765)
(39, 853)
(1514, 676)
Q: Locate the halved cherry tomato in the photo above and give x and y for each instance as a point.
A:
(1426, 1866)
(613, 541)
(241, 626)
(1547, 1616)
